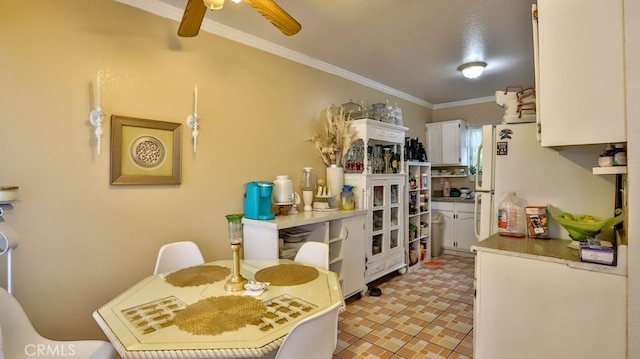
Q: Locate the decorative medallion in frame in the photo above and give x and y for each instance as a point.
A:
(145, 152)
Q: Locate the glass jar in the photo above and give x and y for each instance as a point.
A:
(619, 155)
(377, 163)
(308, 181)
(235, 228)
(308, 185)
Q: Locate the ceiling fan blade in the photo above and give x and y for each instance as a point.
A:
(192, 18)
(278, 17)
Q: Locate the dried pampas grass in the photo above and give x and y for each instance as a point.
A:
(335, 136)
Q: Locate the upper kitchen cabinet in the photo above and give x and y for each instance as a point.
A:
(579, 71)
(447, 143)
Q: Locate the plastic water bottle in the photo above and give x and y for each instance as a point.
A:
(446, 189)
(511, 217)
(347, 200)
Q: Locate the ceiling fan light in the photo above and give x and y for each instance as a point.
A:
(214, 4)
(236, 1)
(472, 70)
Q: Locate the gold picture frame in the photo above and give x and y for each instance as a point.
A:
(145, 152)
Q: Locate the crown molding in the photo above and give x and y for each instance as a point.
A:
(472, 101)
(213, 27)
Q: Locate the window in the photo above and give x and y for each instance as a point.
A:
(475, 139)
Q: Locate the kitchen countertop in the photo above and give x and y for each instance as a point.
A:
(550, 250)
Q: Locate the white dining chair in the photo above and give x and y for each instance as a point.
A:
(314, 337)
(178, 255)
(315, 254)
(20, 340)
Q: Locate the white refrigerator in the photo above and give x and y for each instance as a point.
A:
(512, 160)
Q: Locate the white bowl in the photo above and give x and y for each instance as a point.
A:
(605, 161)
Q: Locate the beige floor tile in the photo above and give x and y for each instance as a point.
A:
(426, 313)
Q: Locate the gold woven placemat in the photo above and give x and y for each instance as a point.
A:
(198, 275)
(216, 315)
(287, 274)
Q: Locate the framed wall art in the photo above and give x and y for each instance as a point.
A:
(145, 152)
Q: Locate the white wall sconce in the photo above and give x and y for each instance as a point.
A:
(472, 70)
(192, 120)
(96, 115)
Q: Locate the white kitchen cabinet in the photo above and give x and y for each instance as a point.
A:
(447, 143)
(343, 231)
(529, 308)
(418, 214)
(458, 231)
(383, 196)
(354, 256)
(580, 72)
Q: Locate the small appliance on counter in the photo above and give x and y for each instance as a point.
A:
(257, 200)
(464, 193)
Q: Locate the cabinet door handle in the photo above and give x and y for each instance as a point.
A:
(346, 234)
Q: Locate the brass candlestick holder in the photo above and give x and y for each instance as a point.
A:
(237, 281)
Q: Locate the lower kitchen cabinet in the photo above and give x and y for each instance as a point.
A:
(343, 231)
(458, 229)
(529, 308)
(354, 259)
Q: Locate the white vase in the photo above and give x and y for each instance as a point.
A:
(335, 179)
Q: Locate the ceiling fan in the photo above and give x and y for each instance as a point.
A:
(195, 10)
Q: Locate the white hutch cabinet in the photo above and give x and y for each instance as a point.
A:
(384, 225)
(383, 196)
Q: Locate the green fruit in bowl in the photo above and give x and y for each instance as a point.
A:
(583, 226)
(566, 215)
(586, 218)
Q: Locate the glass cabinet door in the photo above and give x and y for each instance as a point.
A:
(376, 244)
(395, 194)
(386, 218)
(378, 219)
(394, 242)
(378, 196)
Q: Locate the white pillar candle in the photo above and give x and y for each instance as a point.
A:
(195, 101)
(98, 99)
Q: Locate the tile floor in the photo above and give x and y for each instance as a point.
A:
(426, 313)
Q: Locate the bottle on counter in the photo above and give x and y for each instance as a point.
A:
(347, 200)
(511, 216)
(446, 189)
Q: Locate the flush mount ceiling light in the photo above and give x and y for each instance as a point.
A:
(214, 4)
(471, 70)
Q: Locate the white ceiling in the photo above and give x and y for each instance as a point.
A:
(408, 48)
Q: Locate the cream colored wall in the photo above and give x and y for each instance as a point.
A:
(82, 240)
(481, 113)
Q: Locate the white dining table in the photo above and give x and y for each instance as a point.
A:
(138, 322)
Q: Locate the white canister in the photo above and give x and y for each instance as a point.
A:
(283, 190)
